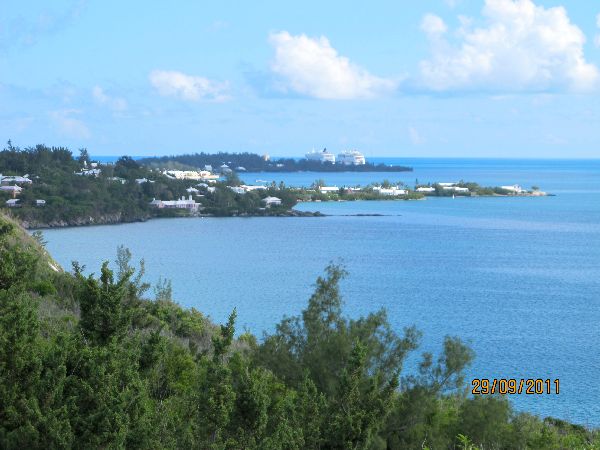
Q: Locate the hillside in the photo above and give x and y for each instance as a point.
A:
(93, 361)
(51, 188)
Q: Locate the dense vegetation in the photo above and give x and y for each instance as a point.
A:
(255, 163)
(113, 195)
(96, 362)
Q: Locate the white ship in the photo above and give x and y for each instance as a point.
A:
(323, 156)
(351, 158)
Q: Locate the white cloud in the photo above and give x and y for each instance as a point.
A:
(433, 25)
(170, 83)
(69, 125)
(521, 47)
(314, 68)
(114, 103)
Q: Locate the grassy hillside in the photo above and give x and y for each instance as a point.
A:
(105, 361)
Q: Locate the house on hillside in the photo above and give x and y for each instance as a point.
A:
(40, 202)
(15, 180)
(13, 203)
(14, 190)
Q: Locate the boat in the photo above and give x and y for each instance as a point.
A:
(351, 158)
(323, 156)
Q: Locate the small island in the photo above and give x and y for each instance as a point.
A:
(250, 162)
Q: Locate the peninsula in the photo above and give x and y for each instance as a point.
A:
(251, 162)
(45, 187)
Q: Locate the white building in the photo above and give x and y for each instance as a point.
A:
(14, 190)
(426, 189)
(444, 185)
(456, 189)
(15, 180)
(40, 202)
(248, 188)
(323, 156)
(182, 203)
(271, 201)
(394, 190)
(515, 188)
(329, 189)
(13, 203)
(351, 158)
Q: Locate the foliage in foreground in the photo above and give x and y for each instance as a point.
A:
(85, 362)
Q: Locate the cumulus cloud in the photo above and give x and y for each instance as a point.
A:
(312, 67)
(114, 103)
(521, 47)
(170, 83)
(70, 126)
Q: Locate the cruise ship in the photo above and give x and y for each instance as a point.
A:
(323, 156)
(351, 158)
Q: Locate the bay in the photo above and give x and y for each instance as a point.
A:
(518, 278)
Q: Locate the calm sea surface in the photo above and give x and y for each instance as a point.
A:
(518, 278)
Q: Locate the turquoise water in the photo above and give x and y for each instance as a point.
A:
(518, 278)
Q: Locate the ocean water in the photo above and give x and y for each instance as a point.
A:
(517, 278)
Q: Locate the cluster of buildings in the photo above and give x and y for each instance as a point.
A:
(391, 191)
(347, 158)
(13, 185)
(452, 187)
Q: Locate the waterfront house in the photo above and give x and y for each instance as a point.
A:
(181, 203)
(426, 189)
(394, 190)
(13, 203)
(271, 201)
(515, 188)
(325, 189)
(444, 185)
(456, 189)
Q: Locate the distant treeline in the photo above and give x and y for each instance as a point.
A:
(255, 163)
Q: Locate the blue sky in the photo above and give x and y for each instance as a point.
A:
(452, 78)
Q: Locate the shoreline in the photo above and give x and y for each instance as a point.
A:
(115, 219)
